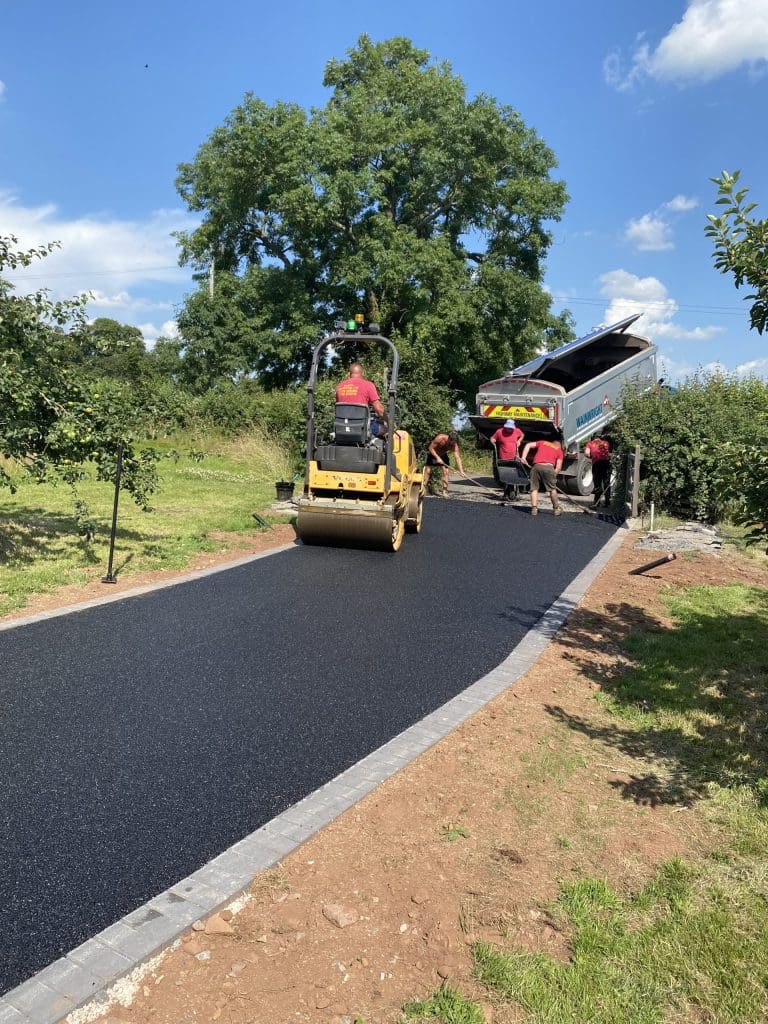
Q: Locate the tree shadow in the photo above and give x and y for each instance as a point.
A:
(692, 700)
(524, 617)
(30, 534)
(121, 565)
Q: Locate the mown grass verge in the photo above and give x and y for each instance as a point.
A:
(198, 498)
(692, 944)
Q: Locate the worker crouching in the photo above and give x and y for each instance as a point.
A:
(547, 463)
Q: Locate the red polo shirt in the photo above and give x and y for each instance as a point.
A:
(546, 452)
(507, 442)
(357, 391)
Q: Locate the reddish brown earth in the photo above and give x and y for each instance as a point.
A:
(539, 800)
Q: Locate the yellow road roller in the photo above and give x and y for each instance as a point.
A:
(361, 489)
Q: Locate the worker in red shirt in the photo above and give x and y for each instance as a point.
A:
(506, 441)
(356, 390)
(598, 451)
(547, 463)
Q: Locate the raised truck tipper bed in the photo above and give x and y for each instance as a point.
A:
(570, 393)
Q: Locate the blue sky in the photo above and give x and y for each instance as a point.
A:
(641, 102)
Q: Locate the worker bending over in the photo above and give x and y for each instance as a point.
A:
(356, 390)
(440, 448)
(506, 441)
(547, 463)
(599, 452)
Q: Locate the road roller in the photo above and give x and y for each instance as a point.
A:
(362, 485)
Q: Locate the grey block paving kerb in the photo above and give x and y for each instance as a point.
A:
(88, 971)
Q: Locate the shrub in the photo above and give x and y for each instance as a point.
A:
(692, 438)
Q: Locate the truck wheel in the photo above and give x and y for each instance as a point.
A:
(581, 482)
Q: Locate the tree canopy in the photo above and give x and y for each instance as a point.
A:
(401, 197)
(741, 245)
(53, 420)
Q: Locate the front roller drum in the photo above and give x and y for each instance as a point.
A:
(383, 532)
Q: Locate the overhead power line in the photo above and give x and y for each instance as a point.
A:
(96, 273)
(556, 296)
(660, 303)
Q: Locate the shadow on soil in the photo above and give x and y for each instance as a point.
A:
(691, 699)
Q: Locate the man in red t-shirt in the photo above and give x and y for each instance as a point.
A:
(506, 441)
(356, 390)
(547, 463)
(598, 451)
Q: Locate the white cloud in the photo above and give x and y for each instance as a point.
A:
(649, 233)
(99, 254)
(2, 90)
(627, 294)
(652, 232)
(123, 302)
(681, 204)
(151, 332)
(712, 38)
(756, 367)
(672, 369)
(619, 78)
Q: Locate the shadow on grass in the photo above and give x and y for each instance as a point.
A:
(121, 565)
(32, 534)
(691, 699)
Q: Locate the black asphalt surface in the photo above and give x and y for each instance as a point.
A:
(140, 739)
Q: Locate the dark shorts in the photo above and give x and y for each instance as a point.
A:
(432, 461)
(543, 475)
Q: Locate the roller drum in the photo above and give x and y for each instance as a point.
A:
(350, 528)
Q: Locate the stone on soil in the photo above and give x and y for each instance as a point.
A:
(216, 925)
(339, 915)
(686, 537)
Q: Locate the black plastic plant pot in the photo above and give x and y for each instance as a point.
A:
(284, 490)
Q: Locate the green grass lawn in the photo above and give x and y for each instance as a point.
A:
(40, 549)
(692, 944)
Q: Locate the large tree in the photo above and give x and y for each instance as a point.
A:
(401, 197)
(107, 348)
(741, 245)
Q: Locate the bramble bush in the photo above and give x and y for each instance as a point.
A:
(702, 446)
(744, 475)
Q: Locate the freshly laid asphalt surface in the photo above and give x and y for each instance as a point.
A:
(141, 738)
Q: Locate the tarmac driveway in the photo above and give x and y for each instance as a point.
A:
(141, 738)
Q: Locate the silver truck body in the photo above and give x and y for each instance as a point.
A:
(570, 393)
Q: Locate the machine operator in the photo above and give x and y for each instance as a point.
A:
(356, 390)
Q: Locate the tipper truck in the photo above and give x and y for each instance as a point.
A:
(570, 394)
